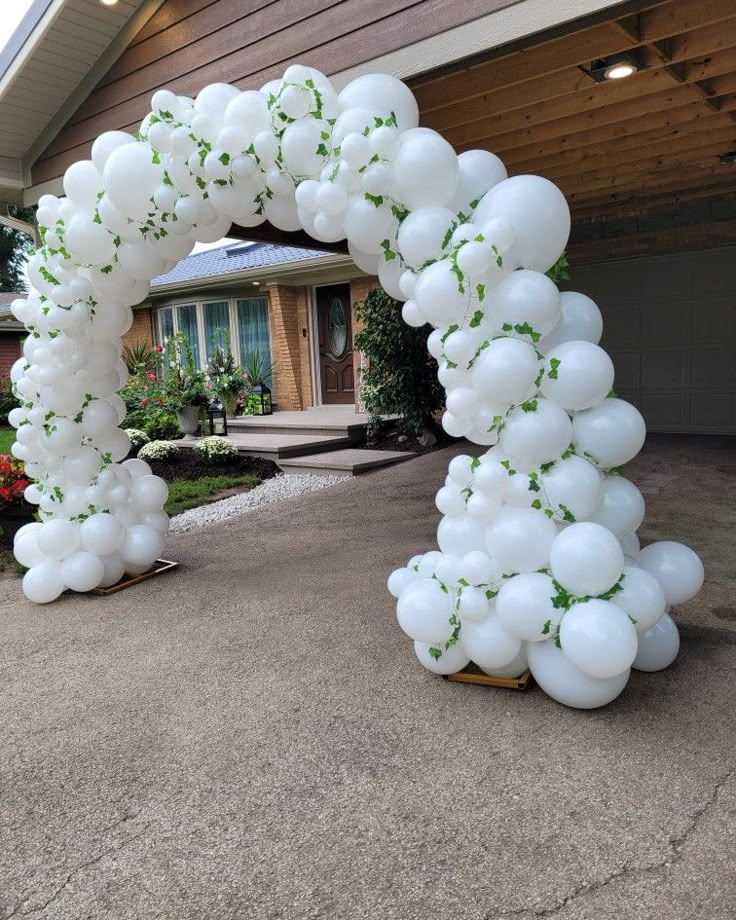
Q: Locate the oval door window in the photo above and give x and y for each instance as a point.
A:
(337, 327)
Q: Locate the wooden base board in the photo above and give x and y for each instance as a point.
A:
(159, 567)
(478, 677)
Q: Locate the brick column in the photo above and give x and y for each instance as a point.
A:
(359, 287)
(141, 332)
(286, 344)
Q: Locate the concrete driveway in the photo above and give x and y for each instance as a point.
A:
(250, 737)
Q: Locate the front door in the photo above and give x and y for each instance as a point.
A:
(335, 344)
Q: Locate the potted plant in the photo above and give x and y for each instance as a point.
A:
(184, 385)
(228, 379)
(15, 511)
(258, 374)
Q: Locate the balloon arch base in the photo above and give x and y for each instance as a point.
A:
(471, 675)
(159, 567)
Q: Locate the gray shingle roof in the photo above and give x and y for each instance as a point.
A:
(234, 258)
(8, 323)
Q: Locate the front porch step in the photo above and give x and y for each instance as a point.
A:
(324, 421)
(349, 462)
(277, 446)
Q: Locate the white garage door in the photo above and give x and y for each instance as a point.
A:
(670, 328)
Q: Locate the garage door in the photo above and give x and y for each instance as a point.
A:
(670, 328)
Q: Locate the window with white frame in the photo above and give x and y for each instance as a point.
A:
(205, 323)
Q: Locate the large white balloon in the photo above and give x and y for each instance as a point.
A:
(599, 638)
(450, 661)
(520, 539)
(488, 644)
(526, 298)
(425, 169)
(658, 646)
(538, 214)
(424, 611)
(580, 321)
(577, 375)
(611, 433)
(621, 508)
(676, 567)
(586, 559)
(563, 681)
(525, 608)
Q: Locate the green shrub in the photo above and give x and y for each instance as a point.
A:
(137, 438)
(215, 449)
(158, 450)
(401, 377)
(7, 399)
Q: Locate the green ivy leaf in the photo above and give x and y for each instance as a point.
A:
(476, 319)
(554, 364)
(376, 200)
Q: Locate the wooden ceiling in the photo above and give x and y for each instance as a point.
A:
(643, 142)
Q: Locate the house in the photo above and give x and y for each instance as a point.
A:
(12, 333)
(628, 105)
(294, 305)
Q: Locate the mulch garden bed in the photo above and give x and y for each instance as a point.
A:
(188, 466)
(390, 439)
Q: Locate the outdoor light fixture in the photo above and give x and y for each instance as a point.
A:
(217, 418)
(614, 67)
(259, 399)
(108, 2)
(728, 157)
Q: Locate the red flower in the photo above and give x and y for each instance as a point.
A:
(159, 348)
(152, 377)
(144, 403)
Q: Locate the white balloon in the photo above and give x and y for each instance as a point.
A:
(473, 604)
(451, 660)
(425, 169)
(580, 321)
(400, 579)
(423, 235)
(527, 297)
(621, 508)
(383, 95)
(130, 178)
(367, 225)
(586, 559)
(101, 534)
(599, 638)
(641, 597)
(573, 485)
(612, 433)
(460, 535)
(141, 545)
(488, 644)
(506, 371)
(58, 538)
(658, 646)
(438, 295)
(538, 215)
(479, 171)
(676, 567)
(525, 609)
(43, 583)
(536, 432)
(114, 569)
(563, 681)
(82, 571)
(25, 549)
(514, 668)
(519, 539)
(424, 611)
(577, 375)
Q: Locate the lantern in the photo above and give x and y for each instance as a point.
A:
(262, 403)
(217, 418)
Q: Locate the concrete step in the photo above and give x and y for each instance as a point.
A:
(279, 446)
(318, 421)
(349, 462)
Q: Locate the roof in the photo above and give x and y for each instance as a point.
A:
(59, 50)
(237, 259)
(8, 323)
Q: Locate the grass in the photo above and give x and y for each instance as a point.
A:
(7, 436)
(190, 493)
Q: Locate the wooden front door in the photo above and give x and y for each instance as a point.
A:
(335, 344)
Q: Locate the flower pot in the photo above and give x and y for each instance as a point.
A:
(188, 419)
(12, 518)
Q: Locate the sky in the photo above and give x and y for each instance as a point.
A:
(13, 12)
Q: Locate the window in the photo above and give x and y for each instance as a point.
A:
(186, 318)
(216, 326)
(253, 334)
(245, 319)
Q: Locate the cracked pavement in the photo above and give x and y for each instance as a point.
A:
(250, 737)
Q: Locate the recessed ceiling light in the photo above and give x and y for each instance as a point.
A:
(619, 71)
(108, 2)
(613, 67)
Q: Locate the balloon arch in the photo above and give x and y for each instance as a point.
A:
(539, 561)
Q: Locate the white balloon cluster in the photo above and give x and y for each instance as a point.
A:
(466, 249)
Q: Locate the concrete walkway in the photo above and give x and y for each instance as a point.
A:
(251, 737)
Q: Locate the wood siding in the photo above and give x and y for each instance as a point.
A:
(189, 43)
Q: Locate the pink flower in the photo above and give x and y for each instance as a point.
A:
(245, 376)
(144, 403)
(210, 386)
(159, 348)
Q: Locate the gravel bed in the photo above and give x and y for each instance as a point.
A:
(272, 490)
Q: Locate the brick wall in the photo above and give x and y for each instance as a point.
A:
(359, 287)
(10, 343)
(288, 309)
(142, 328)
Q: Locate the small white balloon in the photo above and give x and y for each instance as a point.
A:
(658, 646)
(677, 568)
